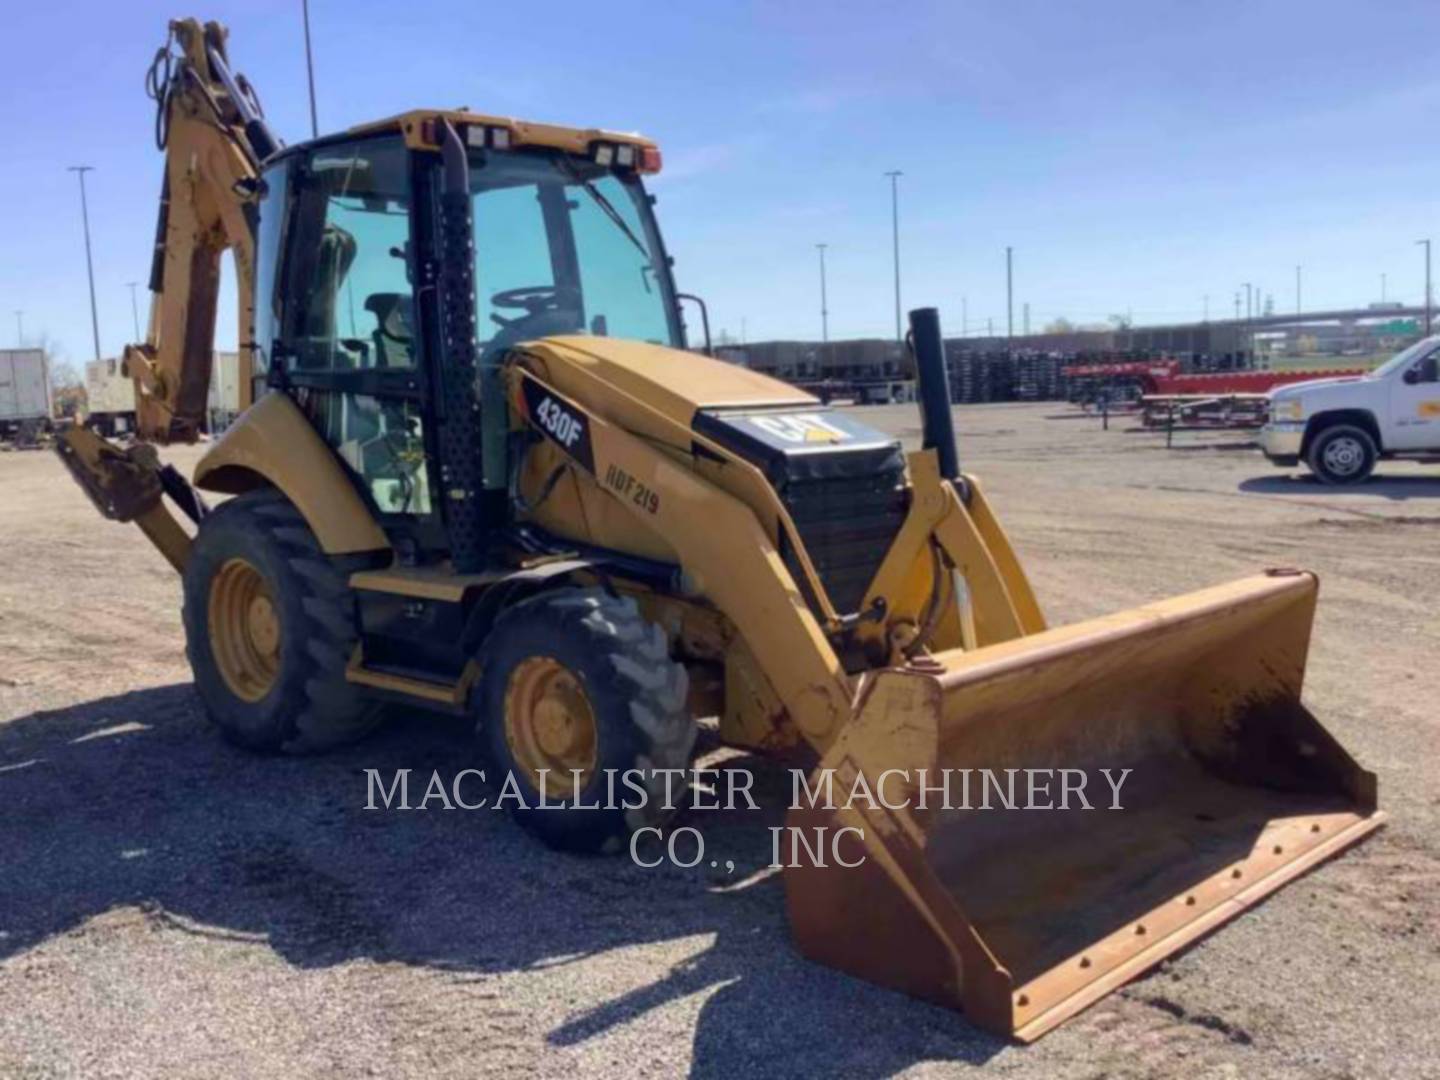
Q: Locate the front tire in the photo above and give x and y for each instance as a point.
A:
(1342, 454)
(269, 629)
(578, 684)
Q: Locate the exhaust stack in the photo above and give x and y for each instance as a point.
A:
(928, 346)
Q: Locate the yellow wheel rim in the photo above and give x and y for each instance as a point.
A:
(550, 725)
(244, 630)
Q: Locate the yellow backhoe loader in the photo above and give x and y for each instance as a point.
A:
(481, 473)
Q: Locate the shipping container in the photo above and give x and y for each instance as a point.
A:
(224, 403)
(109, 398)
(26, 406)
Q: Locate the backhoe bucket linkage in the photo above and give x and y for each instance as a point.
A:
(1023, 917)
(127, 484)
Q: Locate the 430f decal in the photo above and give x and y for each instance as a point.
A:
(566, 426)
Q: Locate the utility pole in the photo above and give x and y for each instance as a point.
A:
(1025, 318)
(310, 69)
(824, 313)
(1009, 296)
(1298, 308)
(80, 171)
(134, 308)
(19, 329)
(894, 176)
(1428, 301)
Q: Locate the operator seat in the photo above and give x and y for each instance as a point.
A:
(394, 337)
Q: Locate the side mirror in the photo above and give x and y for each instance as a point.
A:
(680, 298)
(1423, 372)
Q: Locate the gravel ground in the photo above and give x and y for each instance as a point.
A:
(170, 906)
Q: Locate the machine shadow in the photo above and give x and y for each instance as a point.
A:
(133, 800)
(1395, 488)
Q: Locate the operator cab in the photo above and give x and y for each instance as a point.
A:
(349, 255)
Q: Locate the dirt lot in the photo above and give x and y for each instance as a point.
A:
(172, 906)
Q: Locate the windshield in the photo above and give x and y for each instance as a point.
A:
(1405, 357)
(563, 246)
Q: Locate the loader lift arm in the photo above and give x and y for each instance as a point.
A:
(210, 125)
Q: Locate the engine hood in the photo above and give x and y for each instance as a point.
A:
(1294, 390)
(603, 372)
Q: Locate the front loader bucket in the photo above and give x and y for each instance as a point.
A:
(1023, 917)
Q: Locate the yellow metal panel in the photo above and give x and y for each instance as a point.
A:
(669, 381)
(417, 126)
(675, 439)
(273, 443)
(438, 582)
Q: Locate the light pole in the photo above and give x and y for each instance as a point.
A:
(964, 316)
(1298, 308)
(1426, 244)
(81, 170)
(1207, 308)
(134, 308)
(824, 313)
(310, 69)
(894, 176)
(1382, 288)
(19, 329)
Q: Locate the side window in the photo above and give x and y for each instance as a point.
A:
(512, 251)
(617, 278)
(1427, 370)
(268, 248)
(350, 303)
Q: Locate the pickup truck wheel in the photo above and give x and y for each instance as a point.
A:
(1342, 454)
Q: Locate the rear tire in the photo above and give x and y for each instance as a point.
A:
(270, 626)
(578, 679)
(1342, 454)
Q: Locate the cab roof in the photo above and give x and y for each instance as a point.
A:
(421, 128)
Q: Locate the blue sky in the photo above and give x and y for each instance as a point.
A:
(1138, 155)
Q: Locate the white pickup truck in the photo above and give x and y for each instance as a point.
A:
(1341, 427)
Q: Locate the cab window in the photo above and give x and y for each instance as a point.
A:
(350, 299)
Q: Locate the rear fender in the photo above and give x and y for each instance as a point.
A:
(272, 443)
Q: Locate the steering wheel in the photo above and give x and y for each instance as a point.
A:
(534, 300)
